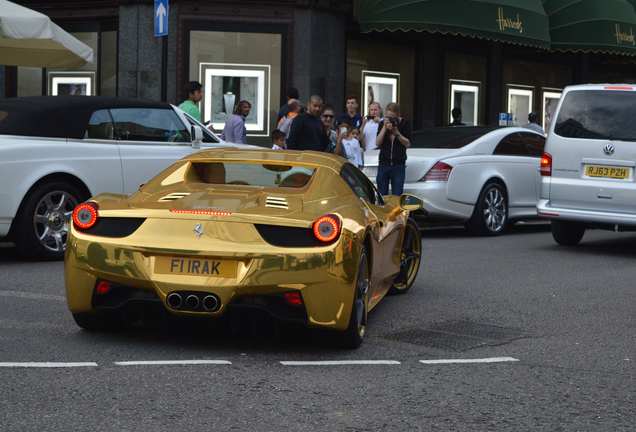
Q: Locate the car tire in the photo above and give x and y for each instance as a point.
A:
(567, 233)
(43, 222)
(410, 258)
(490, 215)
(94, 322)
(354, 334)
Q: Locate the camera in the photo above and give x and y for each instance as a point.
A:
(393, 120)
(370, 117)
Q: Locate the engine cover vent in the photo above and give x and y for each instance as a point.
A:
(174, 196)
(277, 202)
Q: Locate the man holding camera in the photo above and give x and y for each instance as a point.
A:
(393, 139)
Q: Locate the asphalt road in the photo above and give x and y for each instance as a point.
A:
(559, 320)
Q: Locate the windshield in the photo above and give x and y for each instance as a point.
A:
(449, 137)
(598, 115)
(254, 174)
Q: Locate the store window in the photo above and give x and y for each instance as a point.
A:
(375, 77)
(236, 66)
(99, 78)
(464, 74)
(465, 96)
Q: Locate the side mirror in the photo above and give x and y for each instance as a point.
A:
(410, 202)
(197, 136)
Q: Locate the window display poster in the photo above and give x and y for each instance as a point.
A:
(225, 85)
(74, 84)
(227, 92)
(520, 105)
(550, 101)
(379, 87)
(466, 97)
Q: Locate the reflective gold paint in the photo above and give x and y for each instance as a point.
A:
(325, 276)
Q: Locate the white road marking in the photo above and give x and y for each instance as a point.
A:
(47, 365)
(340, 362)
(28, 295)
(483, 360)
(171, 362)
(36, 325)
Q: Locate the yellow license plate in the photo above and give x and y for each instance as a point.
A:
(195, 267)
(610, 172)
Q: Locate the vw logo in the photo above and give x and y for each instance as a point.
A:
(608, 149)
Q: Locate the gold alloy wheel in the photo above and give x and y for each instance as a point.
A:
(410, 258)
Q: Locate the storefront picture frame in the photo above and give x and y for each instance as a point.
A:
(380, 87)
(520, 103)
(219, 82)
(71, 83)
(549, 100)
(469, 103)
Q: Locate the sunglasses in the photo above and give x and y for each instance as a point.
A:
(328, 116)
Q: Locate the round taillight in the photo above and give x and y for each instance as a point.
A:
(85, 214)
(327, 228)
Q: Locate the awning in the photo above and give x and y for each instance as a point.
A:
(514, 21)
(592, 26)
(30, 38)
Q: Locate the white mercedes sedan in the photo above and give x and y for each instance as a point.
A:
(481, 176)
(58, 151)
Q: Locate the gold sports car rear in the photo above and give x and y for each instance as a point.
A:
(299, 236)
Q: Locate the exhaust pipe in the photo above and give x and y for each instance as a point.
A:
(211, 303)
(192, 301)
(174, 300)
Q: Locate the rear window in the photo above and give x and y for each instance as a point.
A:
(254, 174)
(598, 114)
(449, 137)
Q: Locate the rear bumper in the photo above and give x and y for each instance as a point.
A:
(547, 211)
(324, 277)
(435, 203)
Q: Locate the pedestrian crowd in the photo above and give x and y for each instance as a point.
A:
(317, 127)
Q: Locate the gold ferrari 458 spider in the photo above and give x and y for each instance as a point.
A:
(303, 237)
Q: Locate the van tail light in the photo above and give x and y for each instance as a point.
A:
(546, 165)
(85, 214)
(327, 228)
(439, 173)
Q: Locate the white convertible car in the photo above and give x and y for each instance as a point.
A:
(480, 176)
(57, 151)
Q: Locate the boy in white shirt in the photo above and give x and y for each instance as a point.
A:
(350, 143)
(278, 138)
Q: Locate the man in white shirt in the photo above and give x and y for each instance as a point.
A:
(370, 127)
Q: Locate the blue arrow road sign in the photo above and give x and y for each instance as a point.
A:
(161, 17)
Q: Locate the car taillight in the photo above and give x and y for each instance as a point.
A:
(546, 165)
(293, 299)
(103, 287)
(439, 173)
(327, 228)
(85, 214)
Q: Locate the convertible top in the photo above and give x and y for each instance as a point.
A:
(59, 116)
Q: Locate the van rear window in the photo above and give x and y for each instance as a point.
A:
(598, 115)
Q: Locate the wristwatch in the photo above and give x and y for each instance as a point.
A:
(397, 134)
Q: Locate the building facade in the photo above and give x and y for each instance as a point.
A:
(486, 58)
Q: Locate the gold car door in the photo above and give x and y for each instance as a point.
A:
(386, 231)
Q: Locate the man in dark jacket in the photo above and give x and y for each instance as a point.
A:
(394, 134)
(308, 132)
